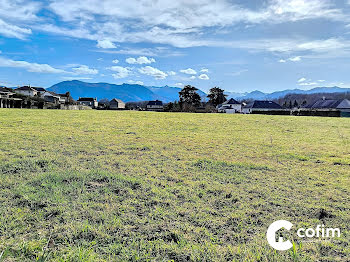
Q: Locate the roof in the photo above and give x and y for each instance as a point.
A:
(263, 105)
(116, 100)
(51, 93)
(26, 88)
(5, 90)
(331, 104)
(40, 89)
(231, 102)
(155, 103)
(90, 99)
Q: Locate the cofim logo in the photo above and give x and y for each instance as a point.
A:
(281, 244)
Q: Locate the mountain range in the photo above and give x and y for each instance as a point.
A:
(134, 93)
(258, 95)
(125, 92)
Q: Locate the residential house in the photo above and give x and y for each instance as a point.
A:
(261, 106)
(40, 90)
(341, 105)
(155, 106)
(26, 91)
(7, 100)
(116, 104)
(88, 101)
(52, 97)
(230, 106)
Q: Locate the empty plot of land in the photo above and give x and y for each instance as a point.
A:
(138, 186)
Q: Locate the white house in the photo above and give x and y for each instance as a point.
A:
(26, 91)
(230, 107)
(52, 97)
(88, 101)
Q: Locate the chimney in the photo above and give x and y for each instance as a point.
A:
(323, 98)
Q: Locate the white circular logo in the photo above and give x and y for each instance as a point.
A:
(271, 235)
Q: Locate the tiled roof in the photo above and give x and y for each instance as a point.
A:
(263, 105)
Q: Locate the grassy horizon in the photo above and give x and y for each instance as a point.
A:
(143, 186)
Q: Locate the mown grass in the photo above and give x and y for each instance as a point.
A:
(142, 186)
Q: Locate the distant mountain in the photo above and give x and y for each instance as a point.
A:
(125, 92)
(257, 95)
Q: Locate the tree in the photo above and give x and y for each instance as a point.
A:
(189, 98)
(295, 103)
(216, 96)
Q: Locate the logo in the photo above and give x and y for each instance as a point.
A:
(319, 232)
(271, 235)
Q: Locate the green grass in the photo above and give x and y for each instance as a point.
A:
(142, 186)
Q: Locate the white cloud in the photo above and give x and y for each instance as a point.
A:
(75, 78)
(105, 44)
(121, 72)
(179, 85)
(295, 59)
(135, 82)
(30, 67)
(205, 70)
(141, 60)
(171, 73)
(321, 81)
(303, 79)
(308, 84)
(154, 72)
(115, 61)
(13, 31)
(188, 71)
(282, 61)
(84, 70)
(204, 77)
(193, 77)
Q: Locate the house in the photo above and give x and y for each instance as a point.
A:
(230, 107)
(26, 91)
(116, 104)
(7, 100)
(40, 90)
(324, 105)
(52, 97)
(88, 101)
(155, 106)
(261, 106)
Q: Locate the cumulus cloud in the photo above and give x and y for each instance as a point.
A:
(154, 72)
(30, 67)
(171, 73)
(282, 61)
(303, 79)
(188, 71)
(204, 70)
(115, 61)
(193, 77)
(121, 72)
(84, 70)
(105, 44)
(204, 77)
(295, 59)
(140, 60)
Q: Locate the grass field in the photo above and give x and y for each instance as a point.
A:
(142, 186)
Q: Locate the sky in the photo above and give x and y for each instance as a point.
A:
(238, 45)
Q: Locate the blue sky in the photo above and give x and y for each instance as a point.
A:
(238, 45)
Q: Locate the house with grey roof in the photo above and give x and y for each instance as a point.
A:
(230, 106)
(261, 106)
(26, 91)
(331, 105)
(155, 106)
(88, 101)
